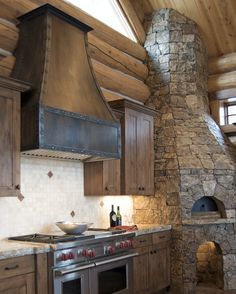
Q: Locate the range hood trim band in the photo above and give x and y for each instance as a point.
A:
(92, 152)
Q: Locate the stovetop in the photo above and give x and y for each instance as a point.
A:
(51, 239)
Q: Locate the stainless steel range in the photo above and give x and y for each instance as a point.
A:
(92, 263)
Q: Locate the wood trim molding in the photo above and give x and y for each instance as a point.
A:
(14, 84)
(133, 20)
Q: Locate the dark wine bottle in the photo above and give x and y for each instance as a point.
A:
(118, 217)
(112, 217)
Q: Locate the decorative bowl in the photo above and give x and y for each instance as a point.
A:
(73, 228)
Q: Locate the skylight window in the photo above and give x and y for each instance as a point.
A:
(108, 12)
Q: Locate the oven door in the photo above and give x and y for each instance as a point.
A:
(72, 279)
(114, 275)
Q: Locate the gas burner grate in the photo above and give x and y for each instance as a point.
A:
(51, 239)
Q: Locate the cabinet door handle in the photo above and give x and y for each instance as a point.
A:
(139, 188)
(162, 237)
(151, 252)
(154, 252)
(11, 267)
(142, 241)
(143, 188)
(106, 188)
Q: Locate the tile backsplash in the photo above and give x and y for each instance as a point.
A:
(53, 190)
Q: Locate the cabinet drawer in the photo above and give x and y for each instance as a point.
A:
(160, 237)
(142, 241)
(16, 266)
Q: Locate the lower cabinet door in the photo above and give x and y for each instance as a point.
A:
(141, 271)
(159, 258)
(23, 284)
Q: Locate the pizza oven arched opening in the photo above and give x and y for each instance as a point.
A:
(208, 207)
(209, 266)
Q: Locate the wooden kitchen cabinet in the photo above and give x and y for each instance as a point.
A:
(17, 275)
(152, 265)
(10, 135)
(134, 172)
(102, 177)
(24, 275)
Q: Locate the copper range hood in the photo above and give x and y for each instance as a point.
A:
(65, 115)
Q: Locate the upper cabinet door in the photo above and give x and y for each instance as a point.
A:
(129, 178)
(135, 169)
(10, 135)
(145, 155)
(9, 142)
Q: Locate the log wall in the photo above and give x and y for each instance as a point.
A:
(119, 63)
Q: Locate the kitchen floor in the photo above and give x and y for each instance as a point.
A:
(204, 289)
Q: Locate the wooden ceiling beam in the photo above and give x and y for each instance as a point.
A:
(133, 20)
(222, 81)
(229, 130)
(222, 64)
(119, 82)
(109, 55)
(6, 65)
(223, 94)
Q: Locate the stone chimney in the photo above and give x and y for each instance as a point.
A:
(194, 161)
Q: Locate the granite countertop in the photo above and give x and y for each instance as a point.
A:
(10, 248)
(148, 229)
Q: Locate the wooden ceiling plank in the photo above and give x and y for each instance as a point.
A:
(215, 18)
(218, 27)
(138, 9)
(213, 45)
(133, 20)
(227, 9)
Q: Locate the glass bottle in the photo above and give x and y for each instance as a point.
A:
(118, 217)
(112, 217)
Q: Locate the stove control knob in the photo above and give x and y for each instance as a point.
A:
(61, 257)
(130, 242)
(80, 252)
(66, 256)
(118, 245)
(71, 255)
(110, 250)
(85, 253)
(90, 253)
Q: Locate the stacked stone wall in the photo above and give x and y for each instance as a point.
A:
(192, 157)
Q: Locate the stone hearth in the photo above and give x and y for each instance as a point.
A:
(193, 159)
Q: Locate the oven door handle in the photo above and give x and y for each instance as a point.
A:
(116, 259)
(75, 269)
